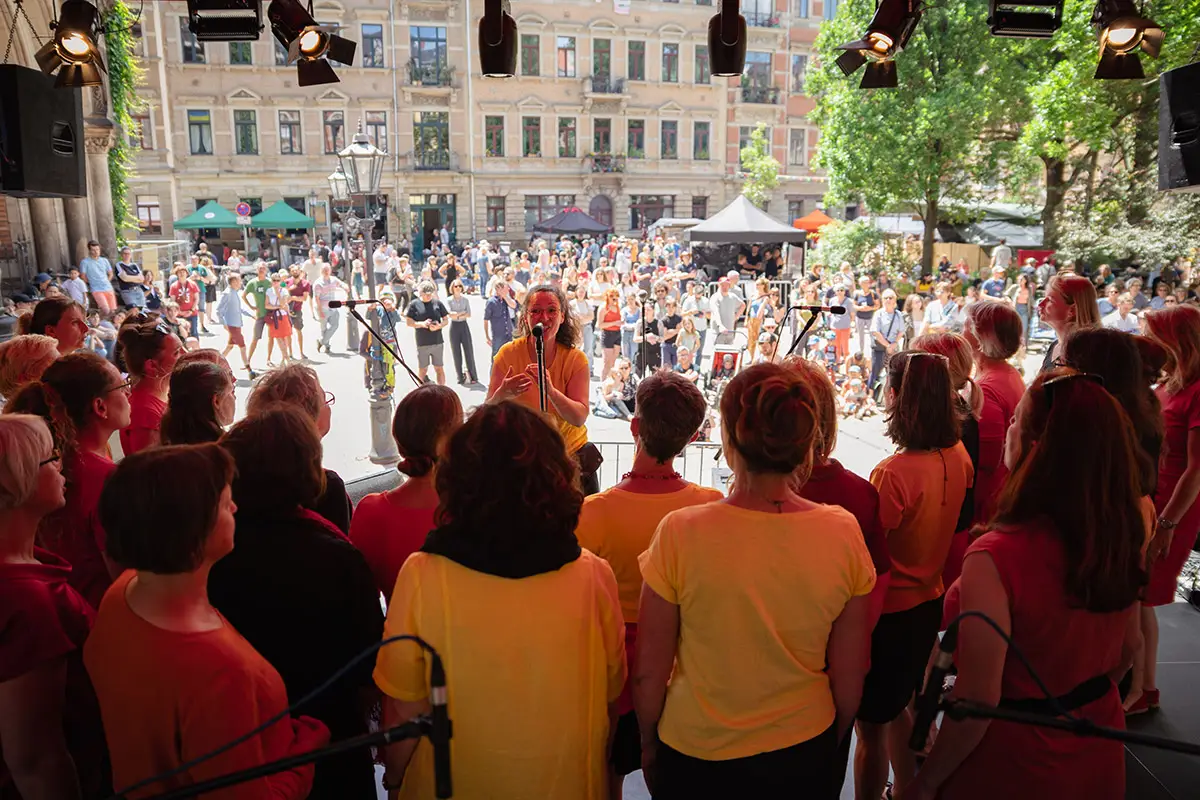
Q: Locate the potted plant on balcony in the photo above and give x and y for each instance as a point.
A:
(636, 152)
(702, 154)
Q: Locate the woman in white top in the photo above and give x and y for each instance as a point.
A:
(585, 312)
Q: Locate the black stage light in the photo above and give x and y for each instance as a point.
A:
(889, 32)
(727, 41)
(309, 45)
(497, 40)
(1025, 19)
(1123, 31)
(225, 20)
(74, 50)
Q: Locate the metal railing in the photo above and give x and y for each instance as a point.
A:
(606, 162)
(697, 463)
(761, 19)
(418, 73)
(606, 84)
(768, 95)
(431, 160)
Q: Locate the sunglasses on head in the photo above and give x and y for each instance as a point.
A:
(1053, 385)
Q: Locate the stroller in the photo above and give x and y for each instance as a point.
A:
(727, 358)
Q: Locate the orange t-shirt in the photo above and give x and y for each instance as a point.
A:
(920, 495)
(167, 698)
(387, 534)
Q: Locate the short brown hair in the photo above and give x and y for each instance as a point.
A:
(137, 536)
(424, 418)
(140, 342)
(922, 416)
(293, 384)
(50, 312)
(670, 409)
(769, 416)
(997, 328)
(278, 456)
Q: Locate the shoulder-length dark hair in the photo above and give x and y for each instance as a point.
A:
(568, 328)
(191, 417)
(506, 482)
(1095, 510)
(50, 312)
(278, 456)
(922, 416)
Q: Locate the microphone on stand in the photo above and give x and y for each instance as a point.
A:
(927, 701)
(440, 734)
(821, 309)
(538, 331)
(350, 303)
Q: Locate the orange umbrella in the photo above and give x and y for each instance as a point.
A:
(813, 222)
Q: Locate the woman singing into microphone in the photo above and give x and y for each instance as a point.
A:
(515, 375)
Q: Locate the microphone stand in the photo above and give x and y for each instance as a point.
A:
(539, 347)
(395, 354)
(413, 729)
(798, 338)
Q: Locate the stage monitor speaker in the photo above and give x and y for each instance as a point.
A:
(41, 136)
(1179, 129)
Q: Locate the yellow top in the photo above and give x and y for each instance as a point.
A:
(566, 363)
(531, 666)
(920, 494)
(618, 525)
(758, 594)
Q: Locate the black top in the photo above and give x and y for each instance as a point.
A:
(671, 322)
(419, 311)
(970, 440)
(867, 298)
(305, 599)
(334, 505)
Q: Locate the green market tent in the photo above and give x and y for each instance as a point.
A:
(281, 215)
(209, 215)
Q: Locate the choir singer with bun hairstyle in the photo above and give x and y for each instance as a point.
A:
(752, 629)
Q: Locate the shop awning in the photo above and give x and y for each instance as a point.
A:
(209, 215)
(281, 215)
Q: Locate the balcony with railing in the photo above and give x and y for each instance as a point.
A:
(606, 163)
(761, 19)
(428, 73)
(430, 160)
(764, 95)
(605, 84)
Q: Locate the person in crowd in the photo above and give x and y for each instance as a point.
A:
(887, 326)
(1162, 291)
(611, 403)
(1021, 296)
(504, 574)
(187, 293)
(150, 352)
(670, 325)
(631, 317)
(914, 317)
(1177, 330)
(618, 524)
(51, 740)
(153, 296)
(610, 321)
(758, 309)
(841, 324)
(1060, 571)
(23, 359)
(768, 663)
(1108, 303)
(515, 375)
(461, 347)
(697, 308)
(865, 302)
(428, 316)
(84, 400)
(686, 367)
(201, 404)
(1069, 304)
(299, 292)
(388, 527)
(328, 288)
(921, 491)
(61, 319)
(278, 319)
(98, 273)
(1139, 300)
(1124, 318)
(647, 339)
(994, 332)
(130, 281)
(297, 385)
(229, 313)
(296, 588)
(580, 307)
(74, 287)
(726, 306)
(158, 708)
(994, 286)
(499, 313)
(255, 298)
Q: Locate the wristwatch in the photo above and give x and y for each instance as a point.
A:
(1166, 524)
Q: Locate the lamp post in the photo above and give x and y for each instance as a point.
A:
(361, 167)
(340, 192)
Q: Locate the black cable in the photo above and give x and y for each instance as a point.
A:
(286, 713)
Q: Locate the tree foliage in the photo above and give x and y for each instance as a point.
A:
(848, 241)
(124, 75)
(760, 167)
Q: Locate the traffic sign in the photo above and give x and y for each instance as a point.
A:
(242, 210)
(243, 221)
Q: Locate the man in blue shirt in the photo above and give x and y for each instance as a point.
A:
(498, 315)
(97, 272)
(994, 286)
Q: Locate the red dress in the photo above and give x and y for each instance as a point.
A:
(1002, 389)
(1066, 646)
(1181, 413)
(387, 534)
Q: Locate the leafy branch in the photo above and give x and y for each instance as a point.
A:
(124, 75)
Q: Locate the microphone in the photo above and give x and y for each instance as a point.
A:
(350, 303)
(927, 701)
(821, 309)
(441, 731)
(538, 331)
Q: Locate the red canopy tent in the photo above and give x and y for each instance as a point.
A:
(813, 222)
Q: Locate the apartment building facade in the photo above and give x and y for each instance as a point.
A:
(616, 113)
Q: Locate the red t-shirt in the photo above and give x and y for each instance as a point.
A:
(1002, 389)
(42, 619)
(297, 289)
(145, 417)
(387, 534)
(187, 295)
(834, 485)
(74, 533)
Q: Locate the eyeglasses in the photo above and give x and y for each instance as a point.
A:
(329, 398)
(55, 455)
(119, 387)
(1052, 386)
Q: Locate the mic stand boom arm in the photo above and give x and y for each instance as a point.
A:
(803, 331)
(395, 354)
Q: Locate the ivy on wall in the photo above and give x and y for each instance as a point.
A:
(124, 75)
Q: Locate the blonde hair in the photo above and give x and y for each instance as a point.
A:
(23, 359)
(1079, 292)
(25, 441)
(957, 351)
(1177, 328)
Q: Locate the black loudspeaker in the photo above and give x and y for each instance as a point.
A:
(41, 136)
(1179, 129)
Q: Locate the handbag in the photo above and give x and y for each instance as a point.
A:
(876, 347)
(589, 458)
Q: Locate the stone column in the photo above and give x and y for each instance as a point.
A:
(47, 246)
(79, 227)
(99, 135)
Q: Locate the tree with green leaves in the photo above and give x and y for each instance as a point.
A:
(919, 146)
(760, 168)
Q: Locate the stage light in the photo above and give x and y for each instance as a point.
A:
(309, 45)
(889, 32)
(1123, 31)
(497, 40)
(727, 41)
(73, 50)
(225, 20)
(1025, 19)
